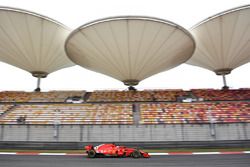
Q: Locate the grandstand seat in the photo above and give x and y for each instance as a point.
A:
(71, 114)
(131, 96)
(206, 112)
(52, 96)
(220, 95)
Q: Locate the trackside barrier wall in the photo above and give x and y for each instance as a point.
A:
(125, 133)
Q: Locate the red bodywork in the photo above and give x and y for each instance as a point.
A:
(115, 151)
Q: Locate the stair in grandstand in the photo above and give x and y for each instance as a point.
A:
(86, 96)
(8, 110)
(136, 113)
(190, 93)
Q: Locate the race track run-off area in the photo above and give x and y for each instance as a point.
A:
(214, 160)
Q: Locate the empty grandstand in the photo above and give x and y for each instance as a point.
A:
(118, 107)
(130, 96)
(52, 96)
(213, 95)
(139, 118)
(70, 114)
(186, 113)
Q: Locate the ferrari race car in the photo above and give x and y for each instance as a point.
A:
(111, 150)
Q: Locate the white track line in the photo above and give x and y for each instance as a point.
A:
(158, 154)
(7, 153)
(52, 153)
(205, 153)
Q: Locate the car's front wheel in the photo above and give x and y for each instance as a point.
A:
(136, 154)
(91, 154)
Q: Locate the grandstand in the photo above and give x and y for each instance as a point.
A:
(135, 119)
(52, 96)
(70, 114)
(227, 95)
(117, 107)
(193, 113)
(133, 96)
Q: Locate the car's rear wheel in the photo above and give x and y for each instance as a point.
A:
(136, 154)
(91, 154)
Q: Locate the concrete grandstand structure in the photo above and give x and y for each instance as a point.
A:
(129, 49)
(161, 122)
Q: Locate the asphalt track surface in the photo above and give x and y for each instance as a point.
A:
(155, 161)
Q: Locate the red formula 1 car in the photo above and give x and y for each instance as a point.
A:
(112, 150)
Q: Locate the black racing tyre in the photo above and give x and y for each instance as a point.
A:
(124, 155)
(91, 154)
(136, 154)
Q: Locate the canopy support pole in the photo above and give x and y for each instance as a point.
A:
(225, 87)
(39, 75)
(131, 83)
(131, 88)
(223, 72)
(38, 89)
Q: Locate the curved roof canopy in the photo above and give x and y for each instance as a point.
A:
(32, 42)
(222, 41)
(131, 48)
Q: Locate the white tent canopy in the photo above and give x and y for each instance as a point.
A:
(131, 48)
(32, 42)
(222, 41)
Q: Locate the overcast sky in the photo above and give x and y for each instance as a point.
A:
(74, 13)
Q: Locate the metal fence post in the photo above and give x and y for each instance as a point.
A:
(2, 133)
(28, 133)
